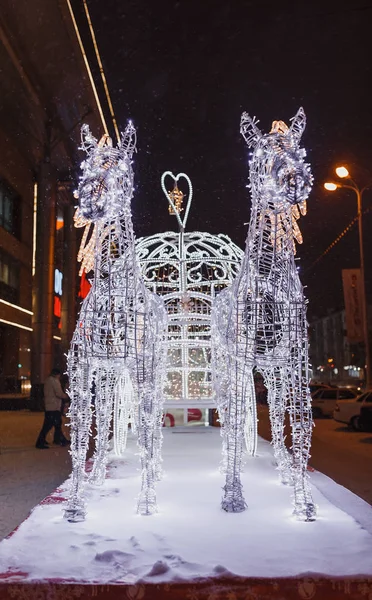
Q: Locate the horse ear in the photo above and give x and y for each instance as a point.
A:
(88, 140)
(298, 124)
(129, 139)
(249, 130)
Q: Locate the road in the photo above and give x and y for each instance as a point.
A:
(343, 455)
(27, 475)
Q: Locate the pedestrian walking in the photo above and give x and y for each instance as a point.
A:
(53, 399)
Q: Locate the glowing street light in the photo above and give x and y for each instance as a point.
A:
(342, 172)
(331, 186)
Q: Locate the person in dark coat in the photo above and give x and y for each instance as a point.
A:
(53, 398)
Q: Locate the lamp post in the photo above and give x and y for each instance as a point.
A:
(343, 173)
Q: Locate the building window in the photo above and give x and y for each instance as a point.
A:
(9, 209)
(9, 278)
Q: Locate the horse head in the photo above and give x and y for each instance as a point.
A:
(277, 167)
(106, 183)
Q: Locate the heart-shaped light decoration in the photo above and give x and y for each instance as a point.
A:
(176, 178)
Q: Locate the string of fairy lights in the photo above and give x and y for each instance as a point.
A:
(337, 239)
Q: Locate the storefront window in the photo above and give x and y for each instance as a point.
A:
(9, 278)
(9, 209)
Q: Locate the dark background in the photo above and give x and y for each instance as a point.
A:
(185, 70)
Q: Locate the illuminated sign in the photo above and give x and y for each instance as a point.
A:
(84, 286)
(58, 277)
(57, 306)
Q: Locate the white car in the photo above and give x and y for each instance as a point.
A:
(324, 401)
(348, 411)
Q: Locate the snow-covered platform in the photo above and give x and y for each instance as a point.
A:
(192, 549)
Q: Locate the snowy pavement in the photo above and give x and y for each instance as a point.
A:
(27, 474)
(191, 537)
(337, 451)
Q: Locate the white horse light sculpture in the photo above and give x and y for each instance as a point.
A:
(121, 327)
(260, 320)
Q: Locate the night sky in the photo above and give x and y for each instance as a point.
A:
(184, 71)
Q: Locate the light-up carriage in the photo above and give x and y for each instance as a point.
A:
(188, 270)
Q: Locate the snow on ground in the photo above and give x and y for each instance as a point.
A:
(191, 537)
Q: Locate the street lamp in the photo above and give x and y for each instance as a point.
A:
(331, 186)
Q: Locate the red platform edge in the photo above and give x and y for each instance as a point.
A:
(225, 588)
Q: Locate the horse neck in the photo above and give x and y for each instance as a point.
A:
(269, 247)
(116, 242)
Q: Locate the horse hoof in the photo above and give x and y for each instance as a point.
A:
(147, 504)
(96, 481)
(146, 509)
(306, 512)
(97, 477)
(286, 479)
(234, 506)
(74, 515)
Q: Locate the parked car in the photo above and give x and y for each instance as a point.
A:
(324, 400)
(314, 387)
(348, 411)
(365, 419)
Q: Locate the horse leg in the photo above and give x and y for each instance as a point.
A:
(234, 424)
(123, 410)
(301, 424)
(276, 383)
(158, 436)
(161, 356)
(106, 380)
(221, 386)
(80, 381)
(148, 377)
(149, 452)
(250, 430)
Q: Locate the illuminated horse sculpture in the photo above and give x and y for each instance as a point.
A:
(121, 327)
(260, 320)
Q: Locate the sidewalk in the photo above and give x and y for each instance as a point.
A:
(27, 474)
(14, 401)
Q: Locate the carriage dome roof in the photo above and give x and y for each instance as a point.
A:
(208, 259)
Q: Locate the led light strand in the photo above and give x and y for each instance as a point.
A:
(85, 58)
(28, 312)
(103, 76)
(34, 224)
(337, 240)
(16, 325)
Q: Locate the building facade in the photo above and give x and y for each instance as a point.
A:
(46, 96)
(333, 358)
